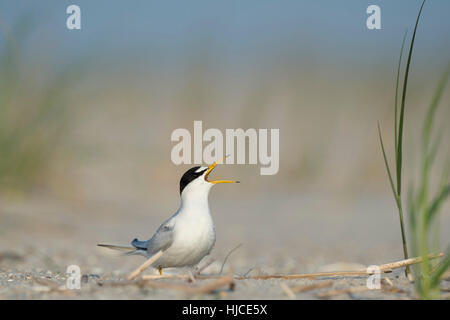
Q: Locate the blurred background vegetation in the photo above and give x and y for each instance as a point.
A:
(107, 97)
(33, 114)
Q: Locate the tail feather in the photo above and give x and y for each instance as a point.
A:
(116, 247)
(140, 245)
(127, 250)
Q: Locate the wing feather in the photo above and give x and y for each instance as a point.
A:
(163, 237)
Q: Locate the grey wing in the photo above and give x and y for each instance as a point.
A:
(162, 239)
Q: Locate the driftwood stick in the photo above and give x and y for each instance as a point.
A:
(145, 265)
(287, 290)
(388, 281)
(388, 267)
(307, 275)
(213, 285)
(407, 262)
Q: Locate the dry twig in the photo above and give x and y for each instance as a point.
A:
(287, 290)
(145, 265)
(51, 286)
(385, 268)
(388, 281)
(306, 275)
(406, 262)
(226, 257)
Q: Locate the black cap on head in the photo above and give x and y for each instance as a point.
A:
(190, 175)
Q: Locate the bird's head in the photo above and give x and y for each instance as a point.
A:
(196, 178)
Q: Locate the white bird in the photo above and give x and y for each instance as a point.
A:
(188, 235)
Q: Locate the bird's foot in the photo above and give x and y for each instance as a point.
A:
(191, 276)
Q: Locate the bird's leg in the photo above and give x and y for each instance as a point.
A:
(191, 276)
(160, 270)
(199, 268)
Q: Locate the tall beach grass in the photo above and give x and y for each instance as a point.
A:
(423, 208)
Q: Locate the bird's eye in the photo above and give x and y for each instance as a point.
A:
(201, 170)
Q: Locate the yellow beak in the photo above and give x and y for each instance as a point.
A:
(211, 167)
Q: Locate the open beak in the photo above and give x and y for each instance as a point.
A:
(210, 169)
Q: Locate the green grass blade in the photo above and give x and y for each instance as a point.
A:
(397, 199)
(433, 106)
(435, 148)
(396, 93)
(430, 154)
(436, 204)
(413, 217)
(444, 266)
(412, 209)
(387, 164)
(445, 175)
(402, 108)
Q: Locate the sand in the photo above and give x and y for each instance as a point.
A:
(292, 235)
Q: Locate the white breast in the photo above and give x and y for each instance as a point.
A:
(193, 234)
(194, 238)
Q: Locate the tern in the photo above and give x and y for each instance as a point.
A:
(188, 235)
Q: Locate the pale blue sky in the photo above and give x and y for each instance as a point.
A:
(239, 32)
